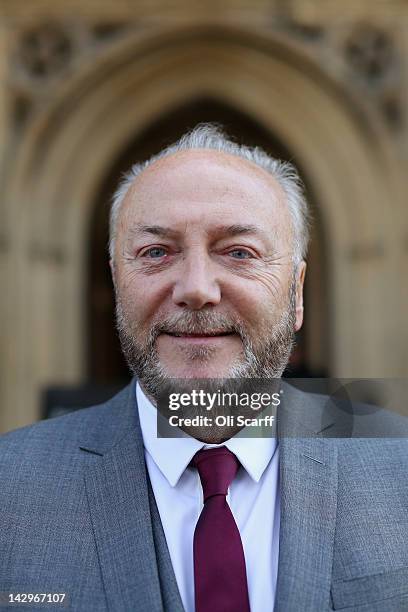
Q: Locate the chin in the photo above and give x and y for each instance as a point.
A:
(198, 372)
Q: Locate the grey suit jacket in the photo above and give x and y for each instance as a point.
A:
(78, 515)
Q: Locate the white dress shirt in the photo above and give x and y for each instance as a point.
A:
(253, 498)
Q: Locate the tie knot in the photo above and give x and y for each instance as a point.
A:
(217, 468)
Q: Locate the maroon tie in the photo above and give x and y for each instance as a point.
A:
(219, 563)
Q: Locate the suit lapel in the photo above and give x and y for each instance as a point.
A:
(308, 489)
(117, 489)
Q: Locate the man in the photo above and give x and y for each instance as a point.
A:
(208, 241)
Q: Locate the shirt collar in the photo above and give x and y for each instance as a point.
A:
(173, 455)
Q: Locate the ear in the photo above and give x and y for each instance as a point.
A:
(300, 279)
(112, 267)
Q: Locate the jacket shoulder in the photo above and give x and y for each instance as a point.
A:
(61, 435)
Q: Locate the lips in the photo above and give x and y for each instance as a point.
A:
(202, 335)
(214, 337)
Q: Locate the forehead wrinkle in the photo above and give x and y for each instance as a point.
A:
(163, 169)
(155, 230)
(221, 159)
(225, 230)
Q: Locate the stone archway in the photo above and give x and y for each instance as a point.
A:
(68, 149)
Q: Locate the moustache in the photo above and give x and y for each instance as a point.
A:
(202, 323)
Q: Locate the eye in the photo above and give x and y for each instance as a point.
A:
(155, 252)
(240, 254)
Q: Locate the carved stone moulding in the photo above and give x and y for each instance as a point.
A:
(370, 52)
(374, 63)
(47, 52)
(44, 51)
(364, 56)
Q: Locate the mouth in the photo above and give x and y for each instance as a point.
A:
(205, 337)
(200, 335)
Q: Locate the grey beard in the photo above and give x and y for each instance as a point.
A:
(267, 360)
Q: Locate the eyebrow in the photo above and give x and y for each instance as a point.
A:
(224, 230)
(154, 230)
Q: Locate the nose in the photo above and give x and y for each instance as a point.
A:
(197, 285)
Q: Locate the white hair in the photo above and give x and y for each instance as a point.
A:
(210, 136)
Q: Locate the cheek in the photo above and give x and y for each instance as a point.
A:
(273, 288)
(258, 302)
(141, 297)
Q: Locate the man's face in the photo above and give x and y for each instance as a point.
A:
(203, 271)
